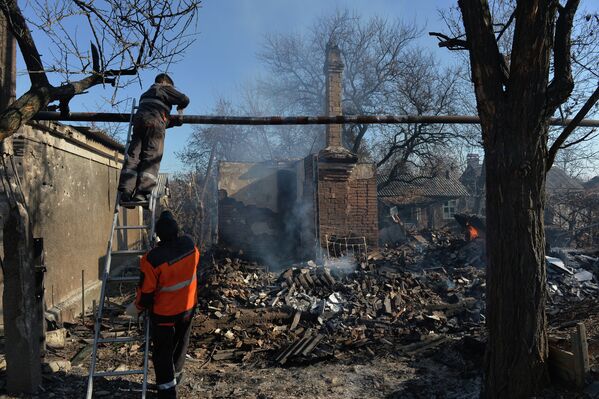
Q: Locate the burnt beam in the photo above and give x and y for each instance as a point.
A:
(290, 120)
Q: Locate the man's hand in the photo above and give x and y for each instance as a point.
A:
(175, 120)
(132, 310)
(178, 120)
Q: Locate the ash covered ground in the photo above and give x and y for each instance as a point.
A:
(404, 322)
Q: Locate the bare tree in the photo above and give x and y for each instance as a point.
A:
(185, 193)
(126, 36)
(518, 88)
(385, 72)
(578, 213)
(374, 53)
(404, 151)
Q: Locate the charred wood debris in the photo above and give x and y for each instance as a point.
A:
(427, 292)
(424, 295)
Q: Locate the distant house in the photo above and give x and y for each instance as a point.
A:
(562, 211)
(592, 184)
(557, 185)
(560, 189)
(473, 180)
(421, 203)
(558, 182)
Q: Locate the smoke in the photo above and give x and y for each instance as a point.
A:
(342, 266)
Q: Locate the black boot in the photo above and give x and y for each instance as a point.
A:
(141, 199)
(125, 199)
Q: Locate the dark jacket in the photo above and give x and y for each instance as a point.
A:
(157, 102)
(168, 280)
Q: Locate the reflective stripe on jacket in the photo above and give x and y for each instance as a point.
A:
(157, 101)
(168, 282)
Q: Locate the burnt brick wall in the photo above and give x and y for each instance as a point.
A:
(348, 207)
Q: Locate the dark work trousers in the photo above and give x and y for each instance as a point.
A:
(140, 171)
(169, 349)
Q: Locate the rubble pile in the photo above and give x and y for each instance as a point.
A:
(415, 295)
(420, 305)
(572, 276)
(326, 310)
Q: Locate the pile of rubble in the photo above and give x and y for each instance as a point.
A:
(572, 276)
(415, 295)
(330, 309)
(397, 303)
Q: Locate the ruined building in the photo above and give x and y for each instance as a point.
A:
(296, 209)
(69, 177)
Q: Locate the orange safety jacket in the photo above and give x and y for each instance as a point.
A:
(168, 283)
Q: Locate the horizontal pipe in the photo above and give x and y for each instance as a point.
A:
(290, 120)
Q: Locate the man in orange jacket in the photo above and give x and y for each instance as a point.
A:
(168, 290)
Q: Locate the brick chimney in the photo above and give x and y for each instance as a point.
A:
(333, 70)
(8, 66)
(472, 160)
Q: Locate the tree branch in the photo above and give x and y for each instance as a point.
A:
(18, 26)
(452, 43)
(485, 58)
(362, 129)
(506, 26)
(563, 83)
(561, 139)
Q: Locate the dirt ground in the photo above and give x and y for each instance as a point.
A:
(401, 333)
(360, 376)
(450, 370)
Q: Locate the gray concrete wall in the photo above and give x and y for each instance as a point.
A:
(70, 184)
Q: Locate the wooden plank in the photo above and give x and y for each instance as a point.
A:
(296, 320)
(580, 352)
(561, 364)
(312, 345)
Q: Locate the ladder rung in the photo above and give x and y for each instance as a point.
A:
(112, 309)
(123, 279)
(130, 227)
(119, 340)
(117, 373)
(129, 252)
(136, 203)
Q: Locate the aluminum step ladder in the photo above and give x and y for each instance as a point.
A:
(107, 280)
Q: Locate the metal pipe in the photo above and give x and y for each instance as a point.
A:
(291, 120)
(83, 297)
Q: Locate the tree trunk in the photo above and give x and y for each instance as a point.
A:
(8, 65)
(23, 109)
(22, 318)
(22, 321)
(516, 275)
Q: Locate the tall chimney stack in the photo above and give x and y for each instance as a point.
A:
(8, 65)
(333, 70)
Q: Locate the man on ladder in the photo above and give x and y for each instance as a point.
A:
(167, 290)
(140, 171)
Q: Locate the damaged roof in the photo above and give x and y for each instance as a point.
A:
(443, 185)
(558, 180)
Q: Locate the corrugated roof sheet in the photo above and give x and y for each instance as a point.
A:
(592, 184)
(442, 185)
(558, 180)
